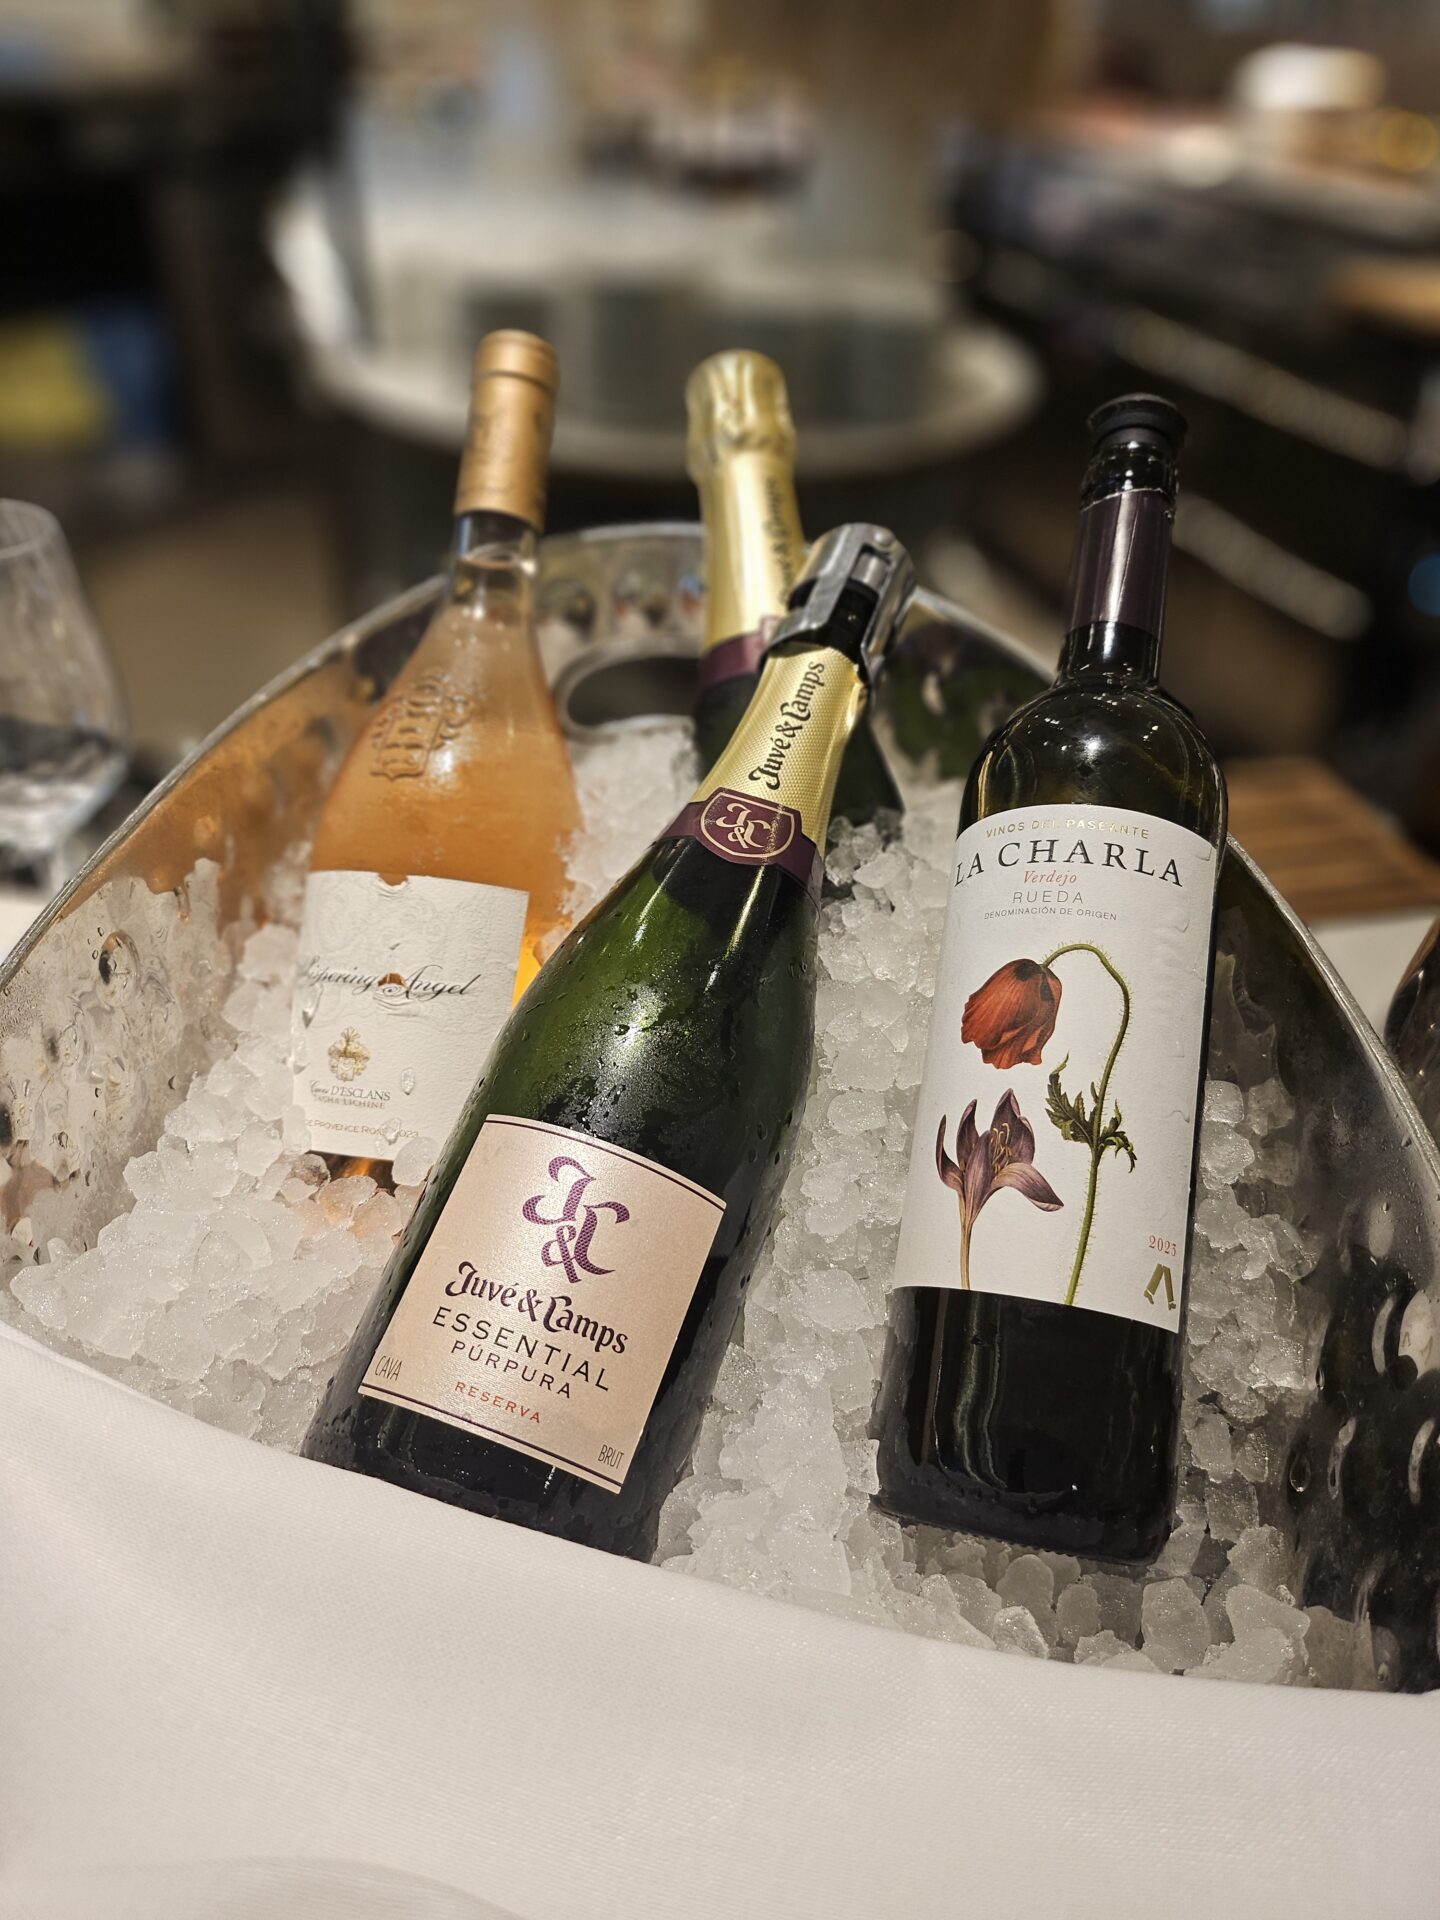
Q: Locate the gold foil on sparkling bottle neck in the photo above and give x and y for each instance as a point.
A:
(734, 400)
(741, 456)
(512, 418)
(788, 745)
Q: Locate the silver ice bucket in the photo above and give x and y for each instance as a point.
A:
(109, 1005)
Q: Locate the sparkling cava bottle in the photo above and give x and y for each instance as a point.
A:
(545, 1340)
(437, 869)
(741, 454)
(1033, 1374)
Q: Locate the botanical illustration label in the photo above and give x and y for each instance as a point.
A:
(400, 992)
(766, 801)
(547, 1302)
(1055, 1131)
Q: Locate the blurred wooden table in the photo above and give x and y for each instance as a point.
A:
(1399, 293)
(1331, 853)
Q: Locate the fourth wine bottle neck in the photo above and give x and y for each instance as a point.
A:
(755, 543)
(492, 563)
(1122, 550)
(740, 450)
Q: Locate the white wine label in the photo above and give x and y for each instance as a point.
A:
(400, 992)
(546, 1305)
(1055, 1134)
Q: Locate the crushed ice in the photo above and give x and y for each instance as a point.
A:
(232, 1283)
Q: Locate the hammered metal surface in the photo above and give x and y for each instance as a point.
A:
(112, 1001)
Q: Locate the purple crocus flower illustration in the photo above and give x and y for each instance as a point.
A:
(984, 1163)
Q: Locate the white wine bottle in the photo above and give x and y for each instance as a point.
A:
(545, 1340)
(437, 870)
(741, 456)
(1032, 1387)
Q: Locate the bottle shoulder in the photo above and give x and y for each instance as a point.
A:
(693, 977)
(486, 642)
(1102, 699)
(460, 771)
(1101, 741)
(678, 910)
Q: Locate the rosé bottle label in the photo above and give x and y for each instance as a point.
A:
(400, 992)
(545, 1307)
(1054, 1140)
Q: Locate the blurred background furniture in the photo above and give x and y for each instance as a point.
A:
(250, 243)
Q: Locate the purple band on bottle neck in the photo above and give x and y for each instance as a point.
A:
(1120, 559)
(751, 833)
(732, 658)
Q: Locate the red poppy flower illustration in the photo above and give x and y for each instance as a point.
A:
(984, 1163)
(1012, 1016)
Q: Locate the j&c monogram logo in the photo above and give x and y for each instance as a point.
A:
(575, 1223)
(735, 824)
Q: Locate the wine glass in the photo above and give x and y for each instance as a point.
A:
(64, 731)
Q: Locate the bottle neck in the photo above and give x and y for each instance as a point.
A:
(507, 438)
(1117, 577)
(753, 538)
(767, 799)
(492, 564)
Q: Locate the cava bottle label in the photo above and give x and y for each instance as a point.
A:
(545, 1307)
(766, 801)
(400, 992)
(1054, 1141)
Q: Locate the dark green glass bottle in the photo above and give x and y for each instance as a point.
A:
(1033, 1374)
(544, 1342)
(741, 453)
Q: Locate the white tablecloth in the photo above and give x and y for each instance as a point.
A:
(239, 1684)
